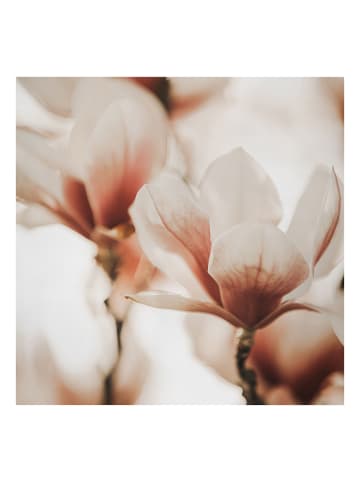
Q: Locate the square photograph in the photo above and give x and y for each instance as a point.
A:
(180, 240)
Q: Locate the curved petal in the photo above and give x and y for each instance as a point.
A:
(174, 233)
(254, 266)
(285, 308)
(32, 115)
(53, 92)
(37, 180)
(36, 215)
(126, 147)
(170, 301)
(316, 227)
(235, 189)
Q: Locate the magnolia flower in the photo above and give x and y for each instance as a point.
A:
(225, 246)
(89, 181)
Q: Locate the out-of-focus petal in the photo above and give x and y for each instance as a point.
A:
(235, 189)
(254, 266)
(32, 115)
(126, 147)
(337, 321)
(331, 392)
(280, 395)
(317, 223)
(170, 301)
(35, 175)
(171, 227)
(185, 90)
(53, 92)
(53, 269)
(36, 215)
(285, 308)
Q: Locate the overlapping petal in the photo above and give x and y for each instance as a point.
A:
(174, 232)
(255, 265)
(170, 301)
(53, 92)
(317, 224)
(235, 189)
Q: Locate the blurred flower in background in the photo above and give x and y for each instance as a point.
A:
(84, 148)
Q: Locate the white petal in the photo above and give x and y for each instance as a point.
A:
(53, 269)
(174, 233)
(316, 226)
(170, 301)
(235, 189)
(53, 92)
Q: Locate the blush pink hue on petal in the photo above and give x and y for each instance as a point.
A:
(235, 189)
(173, 230)
(170, 301)
(126, 147)
(317, 222)
(255, 265)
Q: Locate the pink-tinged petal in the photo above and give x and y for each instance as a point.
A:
(53, 92)
(126, 148)
(332, 244)
(170, 301)
(235, 189)
(317, 223)
(174, 233)
(76, 204)
(91, 98)
(255, 265)
(285, 308)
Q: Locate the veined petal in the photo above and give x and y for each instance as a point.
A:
(317, 222)
(126, 147)
(53, 92)
(170, 301)
(255, 265)
(235, 189)
(174, 233)
(285, 308)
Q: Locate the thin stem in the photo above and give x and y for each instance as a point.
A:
(110, 262)
(247, 375)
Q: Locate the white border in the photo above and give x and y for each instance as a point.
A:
(178, 443)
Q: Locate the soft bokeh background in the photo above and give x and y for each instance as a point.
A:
(65, 342)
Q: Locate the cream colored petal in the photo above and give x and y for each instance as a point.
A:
(36, 174)
(317, 225)
(170, 301)
(255, 265)
(53, 269)
(235, 189)
(174, 233)
(55, 93)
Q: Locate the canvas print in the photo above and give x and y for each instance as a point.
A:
(180, 241)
